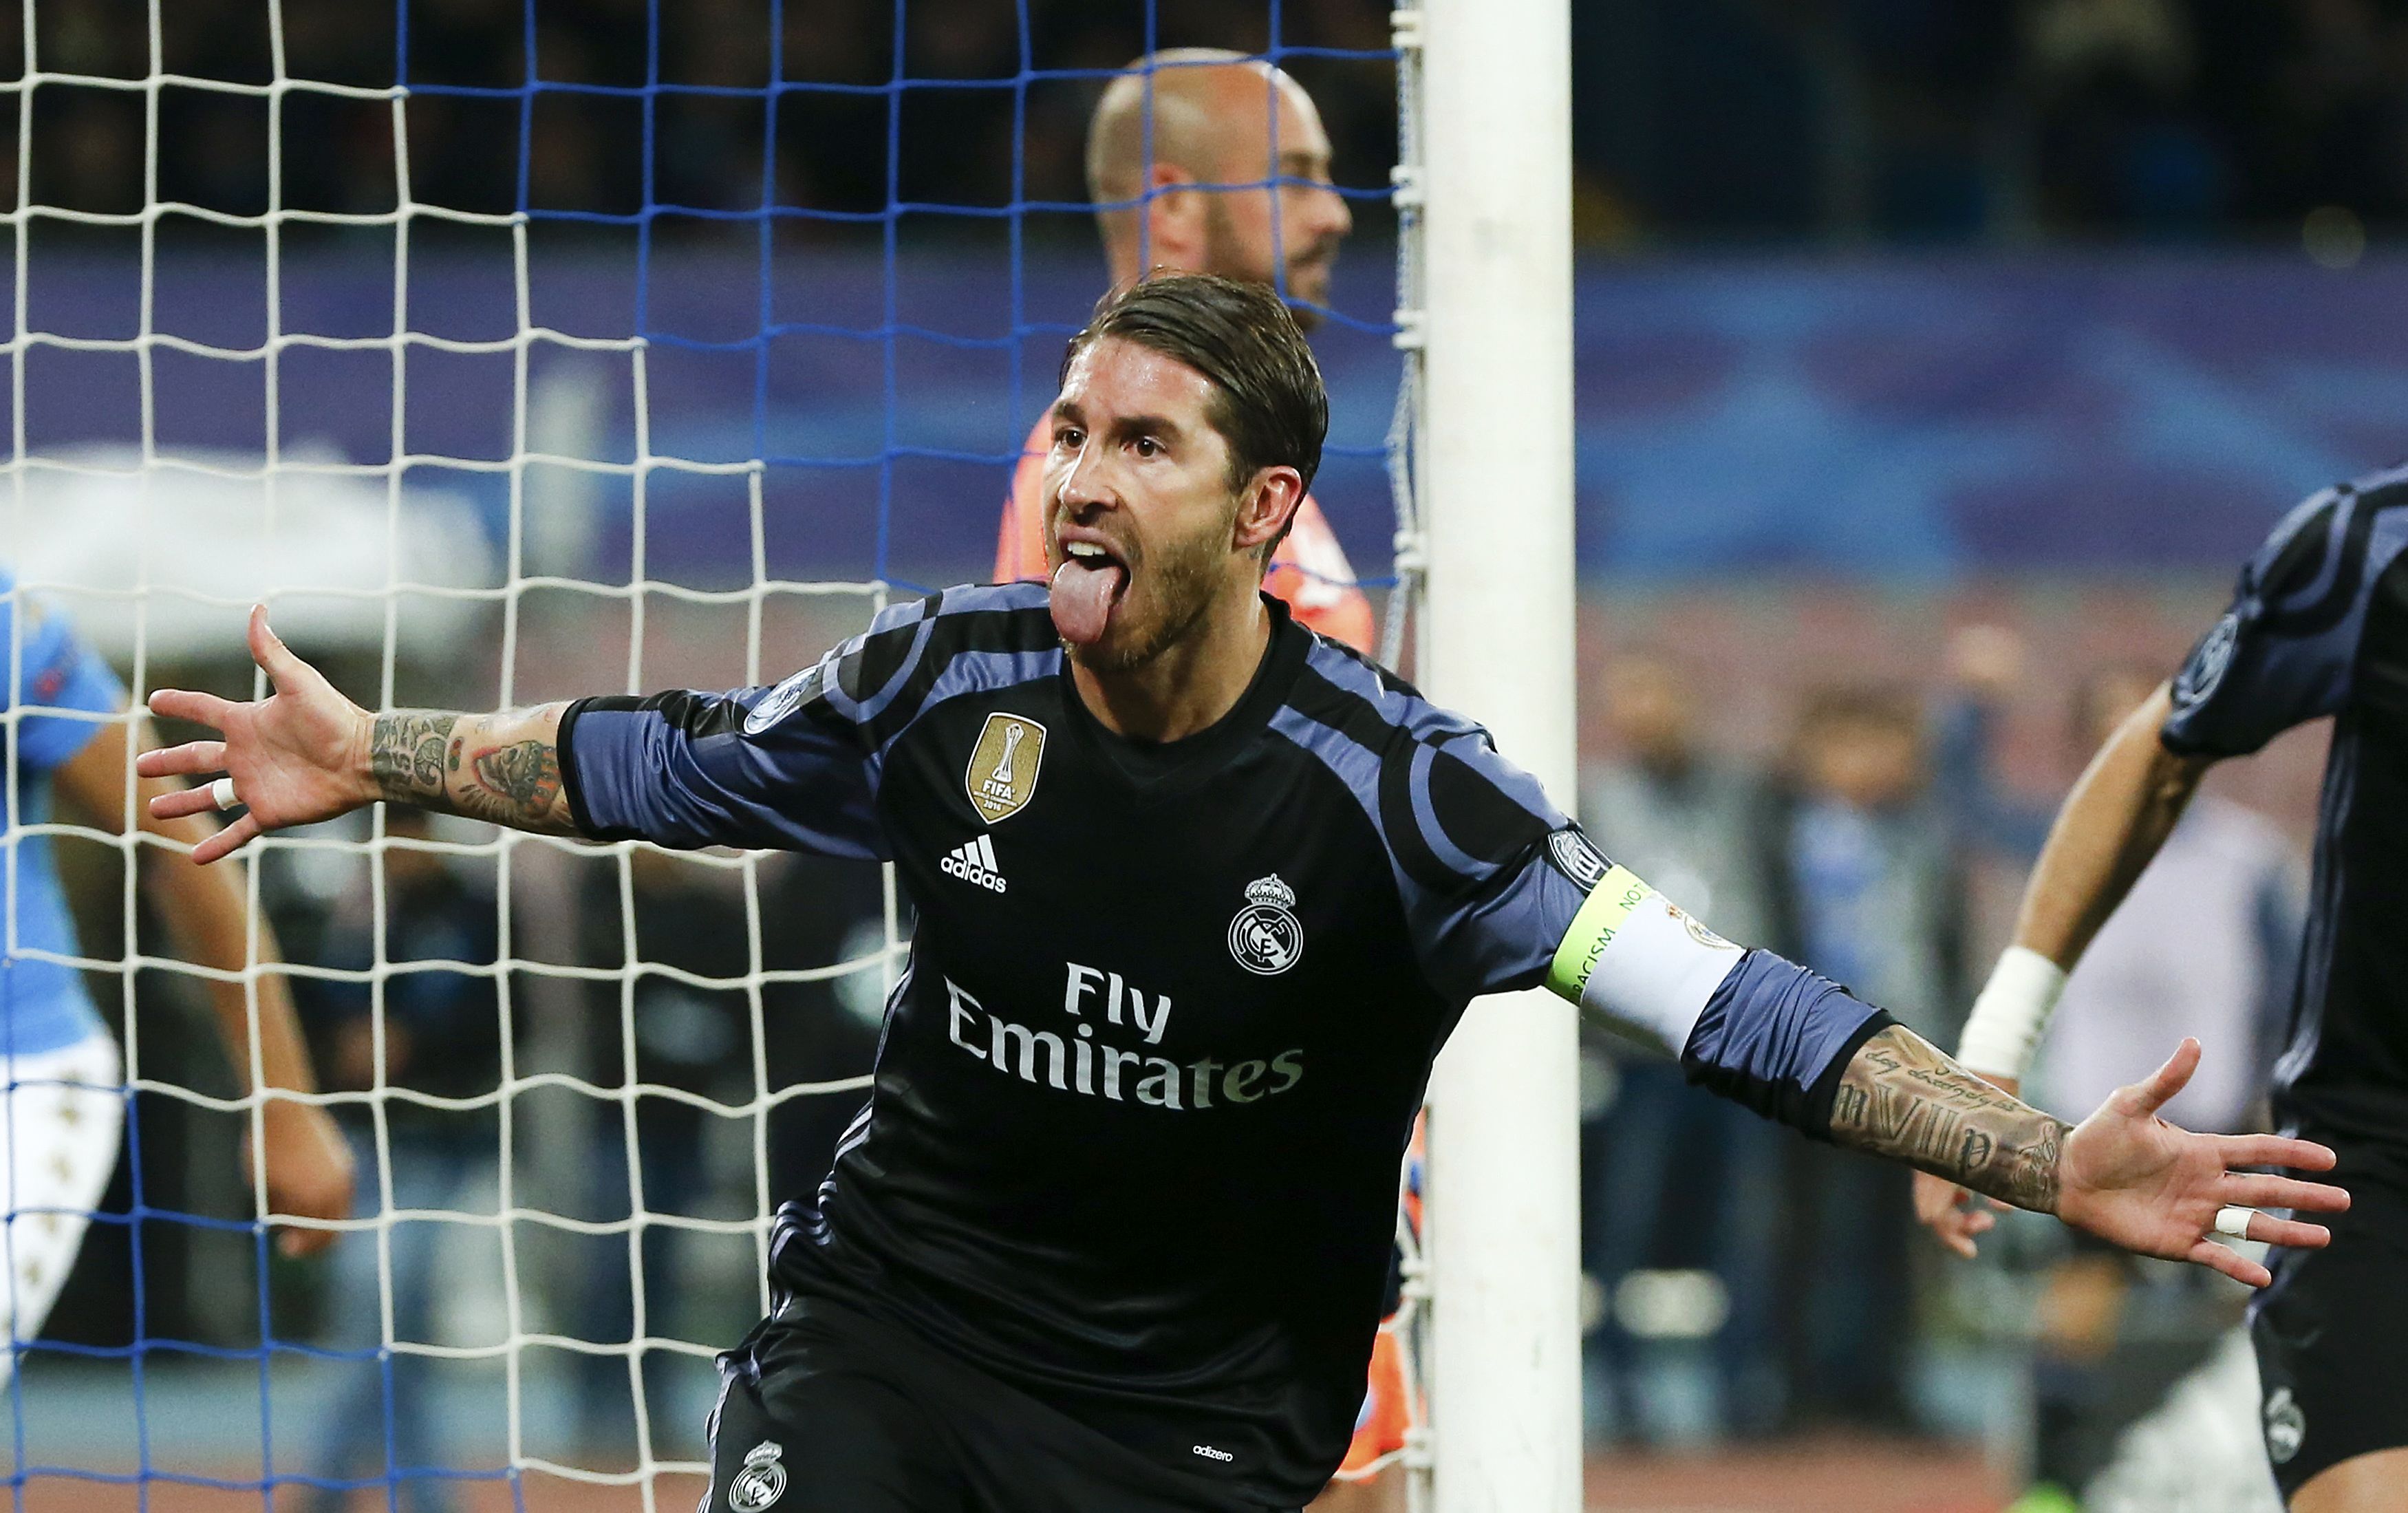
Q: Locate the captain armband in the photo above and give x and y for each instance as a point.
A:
(1631, 956)
(2012, 1014)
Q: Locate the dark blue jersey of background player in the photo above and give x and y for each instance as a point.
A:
(2319, 627)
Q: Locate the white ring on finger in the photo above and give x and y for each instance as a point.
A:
(2232, 1221)
(222, 794)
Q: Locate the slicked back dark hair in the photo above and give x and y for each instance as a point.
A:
(1268, 399)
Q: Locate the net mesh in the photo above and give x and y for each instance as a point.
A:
(500, 408)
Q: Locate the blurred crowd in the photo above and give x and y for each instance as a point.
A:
(1743, 1283)
(1940, 120)
(1905, 120)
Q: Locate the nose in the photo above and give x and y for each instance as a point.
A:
(1084, 487)
(1336, 218)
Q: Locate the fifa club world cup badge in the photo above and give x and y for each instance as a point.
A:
(762, 1481)
(1265, 937)
(1002, 775)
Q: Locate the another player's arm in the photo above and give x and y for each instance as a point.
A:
(308, 1166)
(2111, 826)
(2119, 814)
(2286, 651)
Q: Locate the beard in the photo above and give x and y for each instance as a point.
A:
(1225, 252)
(1180, 581)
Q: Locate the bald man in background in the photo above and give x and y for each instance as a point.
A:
(1212, 118)
(1211, 125)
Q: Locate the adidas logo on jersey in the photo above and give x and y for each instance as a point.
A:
(973, 861)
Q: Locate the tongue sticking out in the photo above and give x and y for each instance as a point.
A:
(1083, 599)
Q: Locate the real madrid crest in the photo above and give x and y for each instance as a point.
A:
(1002, 774)
(1698, 932)
(761, 1482)
(1265, 937)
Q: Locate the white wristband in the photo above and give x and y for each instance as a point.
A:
(2012, 1014)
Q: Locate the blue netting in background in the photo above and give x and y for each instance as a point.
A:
(799, 274)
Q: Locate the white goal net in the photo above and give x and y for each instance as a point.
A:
(509, 357)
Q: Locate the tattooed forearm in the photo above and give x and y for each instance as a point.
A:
(406, 754)
(525, 776)
(504, 768)
(1901, 1098)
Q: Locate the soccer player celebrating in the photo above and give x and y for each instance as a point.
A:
(2318, 626)
(1200, 894)
(1206, 161)
(62, 1110)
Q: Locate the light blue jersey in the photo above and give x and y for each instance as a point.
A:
(43, 1004)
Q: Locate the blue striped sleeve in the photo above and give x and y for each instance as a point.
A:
(786, 768)
(1777, 1038)
(1478, 852)
(1503, 891)
(2286, 651)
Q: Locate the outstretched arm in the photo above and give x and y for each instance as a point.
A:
(307, 1165)
(1798, 1047)
(2123, 1174)
(307, 754)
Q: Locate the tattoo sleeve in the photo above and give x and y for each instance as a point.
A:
(1901, 1098)
(406, 754)
(503, 768)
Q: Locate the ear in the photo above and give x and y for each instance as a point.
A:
(1267, 503)
(1174, 218)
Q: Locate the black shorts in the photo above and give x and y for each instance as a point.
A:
(822, 1410)
(2332, 1334)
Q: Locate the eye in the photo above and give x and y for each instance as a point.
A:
(1148, 447)
(1068, 435)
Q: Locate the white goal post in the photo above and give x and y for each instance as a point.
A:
(1495, 449)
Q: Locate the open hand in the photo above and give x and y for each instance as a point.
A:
(297, 757)
(1954, 1215)
(2128, 1176)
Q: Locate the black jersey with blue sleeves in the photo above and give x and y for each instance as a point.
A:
(1134, 1129)
(2318, 626)
(795, 766)
(2288, 649)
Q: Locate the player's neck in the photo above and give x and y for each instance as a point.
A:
(1190, 684)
